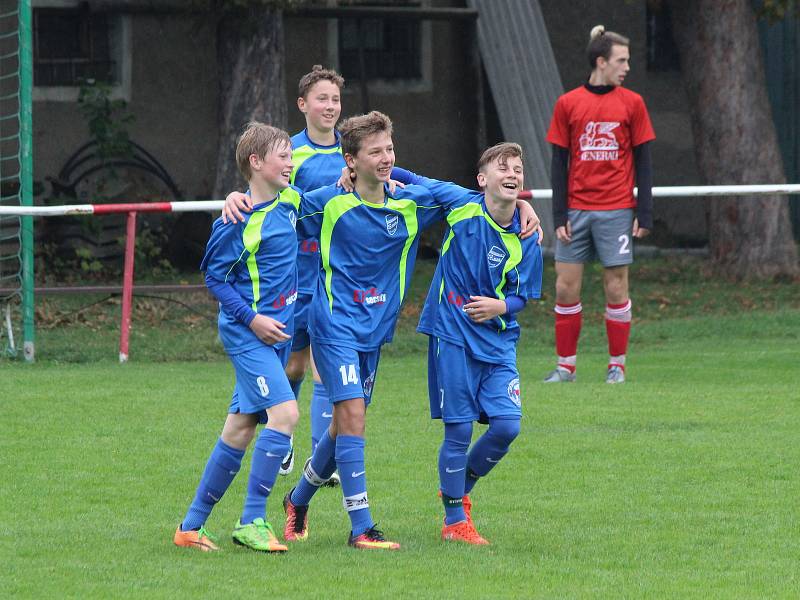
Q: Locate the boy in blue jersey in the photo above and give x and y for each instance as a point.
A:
(485, 275)
(251, 269)
(318, 161)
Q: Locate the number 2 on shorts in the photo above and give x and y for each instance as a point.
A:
(624, 241)
(348, 373)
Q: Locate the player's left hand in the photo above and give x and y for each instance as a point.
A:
(639, 232)
(483, 308)
(529, 221)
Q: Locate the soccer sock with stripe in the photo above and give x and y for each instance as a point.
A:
(271, 447)
(452, 469)
(316, 472)
(296, 384)
(618, 330)
(221, 468)
(569, 318)
(350, 461)
(490, 448)
(321, 414)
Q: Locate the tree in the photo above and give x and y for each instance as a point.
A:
(734, 136)
(250, 62)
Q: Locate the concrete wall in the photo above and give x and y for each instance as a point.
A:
(172, 96)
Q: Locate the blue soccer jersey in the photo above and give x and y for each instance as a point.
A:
(315, 166)
(478, 258)
(258, 258)
(368, 253)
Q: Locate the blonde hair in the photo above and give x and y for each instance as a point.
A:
(317, 74)
(355, 129)
(601, 42)
(501, 153)
(259, 139)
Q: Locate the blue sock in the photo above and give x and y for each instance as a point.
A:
(271, 447)
(350, 461)
(490, 448)
(295, 384)
(221, 468)
(321, 414)
(317, 472)
(452, 469)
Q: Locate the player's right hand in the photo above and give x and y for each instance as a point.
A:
(564, 233)
(235, 203)
(348, 180)
(268, 329)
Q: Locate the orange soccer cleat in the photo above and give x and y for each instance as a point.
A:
(463, 531)
(200, 539)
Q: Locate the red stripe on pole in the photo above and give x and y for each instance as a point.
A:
(127, 288)
(107, 209)
(525, 195)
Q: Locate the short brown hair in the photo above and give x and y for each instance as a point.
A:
(259, 139)
(355, 129)
(501, 153)
(317, 74)
(601, 42)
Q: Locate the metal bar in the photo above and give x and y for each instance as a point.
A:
(26, 177)
(375, 12)
(127, 288)
(110, 289)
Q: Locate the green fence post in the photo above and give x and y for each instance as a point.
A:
(26, 172)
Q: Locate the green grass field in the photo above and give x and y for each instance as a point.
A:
(681, 483)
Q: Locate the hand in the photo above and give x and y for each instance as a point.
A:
(529, 221)
(639, 232)
(234, 204)
(564, 233)
(393, 185)
(482, 308)
(268, 330)
(347, 180)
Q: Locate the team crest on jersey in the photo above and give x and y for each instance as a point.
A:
(495, 256)
(598, 141)
(368, 383)
(293, 219)
(513, 392)
(391, 224)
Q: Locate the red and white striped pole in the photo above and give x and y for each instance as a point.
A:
(127, 287)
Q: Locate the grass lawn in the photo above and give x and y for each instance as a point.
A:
(681, 483)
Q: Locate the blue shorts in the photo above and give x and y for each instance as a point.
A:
(260, 381)
(300, 338)
(346, 373)
(462, 389)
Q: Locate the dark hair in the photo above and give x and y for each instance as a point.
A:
(501, 153)
(316, 75)
(601, 42)
(355, 129)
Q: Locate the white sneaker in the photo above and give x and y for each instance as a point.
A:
(288, 461)
(616, 374)
(560, 375)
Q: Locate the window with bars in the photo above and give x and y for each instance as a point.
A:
(72, 45)
(391, 47)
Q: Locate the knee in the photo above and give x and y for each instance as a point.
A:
(504, 430)
(238, 438)
(567, 290)
(284, 416)
(457, 435)
(296, 367)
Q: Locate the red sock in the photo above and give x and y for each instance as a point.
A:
(618, 330)
(569, 318)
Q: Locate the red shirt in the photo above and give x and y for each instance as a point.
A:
(600, 132)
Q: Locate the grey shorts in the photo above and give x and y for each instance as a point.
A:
(607, 234)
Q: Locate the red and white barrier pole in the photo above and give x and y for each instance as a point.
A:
(127, 287)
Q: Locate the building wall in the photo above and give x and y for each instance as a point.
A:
(173, 96)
